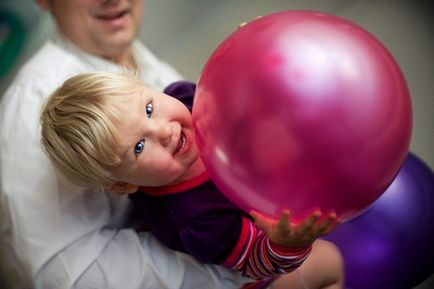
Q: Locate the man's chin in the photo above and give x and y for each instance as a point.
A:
(116, 48)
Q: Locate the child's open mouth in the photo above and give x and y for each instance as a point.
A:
(181, 143)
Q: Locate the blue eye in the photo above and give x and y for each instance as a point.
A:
(138, 148)
(149, 109)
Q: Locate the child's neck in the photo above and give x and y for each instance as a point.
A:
(194, 177)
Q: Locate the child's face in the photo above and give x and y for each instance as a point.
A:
(157, 145)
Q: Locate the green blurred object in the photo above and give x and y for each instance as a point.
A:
(12, 38)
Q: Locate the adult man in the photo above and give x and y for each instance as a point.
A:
(64, 236)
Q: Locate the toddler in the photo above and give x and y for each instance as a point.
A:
(111, 132)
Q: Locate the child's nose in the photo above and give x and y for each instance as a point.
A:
(164, 132)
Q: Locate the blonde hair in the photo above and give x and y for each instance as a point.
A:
(78, 126)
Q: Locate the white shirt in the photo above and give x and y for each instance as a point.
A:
(65, 236)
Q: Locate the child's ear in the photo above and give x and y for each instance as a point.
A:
(123, 188)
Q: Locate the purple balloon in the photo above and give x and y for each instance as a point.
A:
(391, 245)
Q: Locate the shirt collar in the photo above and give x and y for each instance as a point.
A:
(92, 61)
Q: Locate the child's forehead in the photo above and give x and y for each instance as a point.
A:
(133, 93)
(146, 89)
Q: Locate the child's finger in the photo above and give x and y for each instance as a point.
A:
(257, 217)
(310, 221)
(284, 222)
(260, 217)
(328, 224)
(263, 222)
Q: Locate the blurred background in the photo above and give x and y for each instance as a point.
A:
(186, 32)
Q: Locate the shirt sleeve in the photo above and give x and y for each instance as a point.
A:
(257, 257)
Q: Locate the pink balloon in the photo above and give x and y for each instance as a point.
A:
(302, 110)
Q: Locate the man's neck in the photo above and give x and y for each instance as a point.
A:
(123, 58)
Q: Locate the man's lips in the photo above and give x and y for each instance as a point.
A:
(112, 15)
(115, 19)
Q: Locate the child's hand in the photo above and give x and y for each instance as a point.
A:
(286, 234)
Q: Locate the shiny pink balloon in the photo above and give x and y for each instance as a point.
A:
(302, 110)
